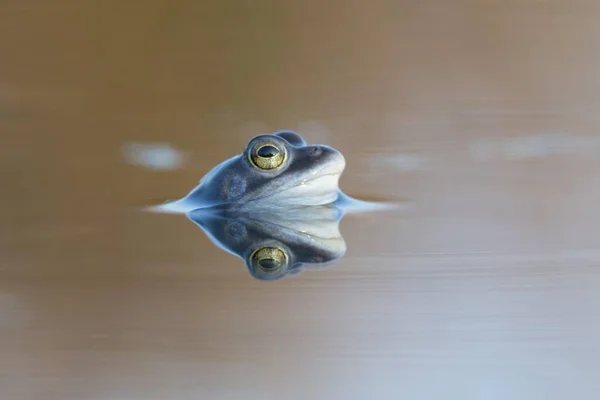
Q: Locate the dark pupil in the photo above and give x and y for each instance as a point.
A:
(268, 263)
(267, 151)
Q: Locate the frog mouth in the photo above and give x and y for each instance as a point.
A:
(316, 190)
(332, 169)
(319, 176)
(317, 187)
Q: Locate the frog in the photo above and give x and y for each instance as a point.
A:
(275, 171)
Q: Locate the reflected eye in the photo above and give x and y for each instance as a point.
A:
(267, 156)
(269, 260)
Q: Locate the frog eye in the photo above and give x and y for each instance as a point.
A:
(267, 156)
(268, 260)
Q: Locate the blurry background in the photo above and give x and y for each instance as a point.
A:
(483, 113)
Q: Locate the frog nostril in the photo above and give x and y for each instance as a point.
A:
(315, 151)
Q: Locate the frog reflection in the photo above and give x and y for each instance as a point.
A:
(274, 245)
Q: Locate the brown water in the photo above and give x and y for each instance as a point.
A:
(483, 114)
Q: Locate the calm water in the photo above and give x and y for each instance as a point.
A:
(482, 114)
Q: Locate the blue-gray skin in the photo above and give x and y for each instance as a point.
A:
(274, 245)
(308, 175)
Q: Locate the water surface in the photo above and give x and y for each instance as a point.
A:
(483, 114)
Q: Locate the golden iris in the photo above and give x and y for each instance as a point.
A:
(269, 260)
(267, 156)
